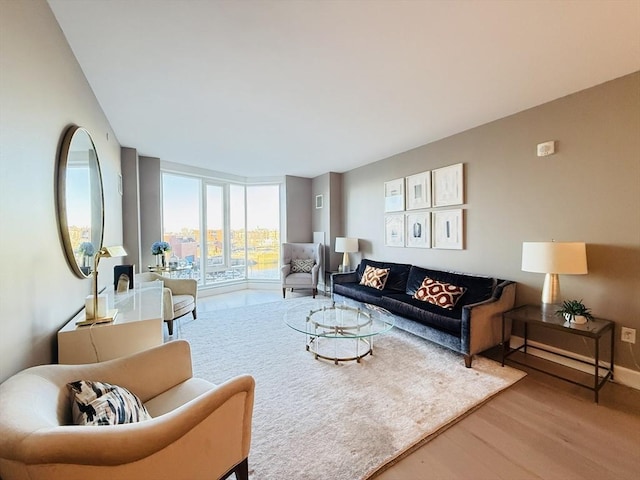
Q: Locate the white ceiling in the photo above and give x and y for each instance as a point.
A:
(265, 88)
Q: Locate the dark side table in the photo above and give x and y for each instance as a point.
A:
(533, 316)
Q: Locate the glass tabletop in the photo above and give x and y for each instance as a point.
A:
(339, 320)
(535, 314)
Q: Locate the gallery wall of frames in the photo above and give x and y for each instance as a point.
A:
(418, 209)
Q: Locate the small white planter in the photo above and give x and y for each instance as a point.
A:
(577, 319)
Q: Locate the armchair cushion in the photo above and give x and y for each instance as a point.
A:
(100, 403)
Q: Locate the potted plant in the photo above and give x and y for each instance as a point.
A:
(159, 249)
(575, 311)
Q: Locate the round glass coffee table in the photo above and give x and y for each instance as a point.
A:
(341, 332)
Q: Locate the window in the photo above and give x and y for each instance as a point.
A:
(263, 231)
(181, 220)
(241, 222)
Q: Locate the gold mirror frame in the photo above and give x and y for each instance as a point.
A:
(80, 200)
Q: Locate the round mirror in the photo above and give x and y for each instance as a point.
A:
(80, 200)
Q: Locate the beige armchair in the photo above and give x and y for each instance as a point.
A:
(198, 429)
(179, 298)
(292, 252)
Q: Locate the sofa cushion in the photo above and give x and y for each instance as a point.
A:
(299, 265)
(360, 292)
(374, 277)
(99, 403)
(478, 288)
(442, 294)
(398, 273)
(424, 312)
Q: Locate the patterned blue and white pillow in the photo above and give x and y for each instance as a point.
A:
(99, 403)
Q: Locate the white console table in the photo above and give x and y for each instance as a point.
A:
(137, 326)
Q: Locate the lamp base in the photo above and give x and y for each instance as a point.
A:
(345, 262)
(551, 289)
(109, 317)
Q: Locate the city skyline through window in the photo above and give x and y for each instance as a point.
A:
(242, 225)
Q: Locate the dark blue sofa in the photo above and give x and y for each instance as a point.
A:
(472, 326)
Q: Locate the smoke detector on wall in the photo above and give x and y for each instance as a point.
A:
(546, 148)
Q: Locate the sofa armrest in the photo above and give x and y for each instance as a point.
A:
(347, 277)
(482, 321)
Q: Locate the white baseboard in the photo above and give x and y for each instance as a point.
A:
(622, 375)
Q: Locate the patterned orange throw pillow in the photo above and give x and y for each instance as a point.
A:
(441, 294)
(374, 277)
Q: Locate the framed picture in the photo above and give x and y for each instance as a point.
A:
(319, 201)
(448, 229)
(394, 195)
(418, 232)
(394, 230)
(419, 191)
(448, 185)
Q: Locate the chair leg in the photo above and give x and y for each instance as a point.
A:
(284, 293)
(170, 326)
(315, 292)
(195, 315)
(241, 471)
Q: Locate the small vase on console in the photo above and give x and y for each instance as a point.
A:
(161, 260)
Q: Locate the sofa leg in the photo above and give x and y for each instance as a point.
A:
(170, 326)
(467, 360)
(315, 292)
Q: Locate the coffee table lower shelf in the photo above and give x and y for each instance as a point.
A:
(339, 349)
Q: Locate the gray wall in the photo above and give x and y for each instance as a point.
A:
(297, 224)
(42, 92)
(589, 191)
(150, 185)
(131, 207)
(329, 219)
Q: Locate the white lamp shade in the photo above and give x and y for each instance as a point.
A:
(346, 244)
(568, 258)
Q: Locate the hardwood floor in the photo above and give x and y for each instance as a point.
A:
(540, 428)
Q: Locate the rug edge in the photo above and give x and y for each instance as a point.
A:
(431, 436)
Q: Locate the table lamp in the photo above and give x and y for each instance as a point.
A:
(346, 246)
(96, 305)
(553, 259)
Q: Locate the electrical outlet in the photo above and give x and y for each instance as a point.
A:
(628, 335)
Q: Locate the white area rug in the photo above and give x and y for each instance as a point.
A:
(314, 420)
